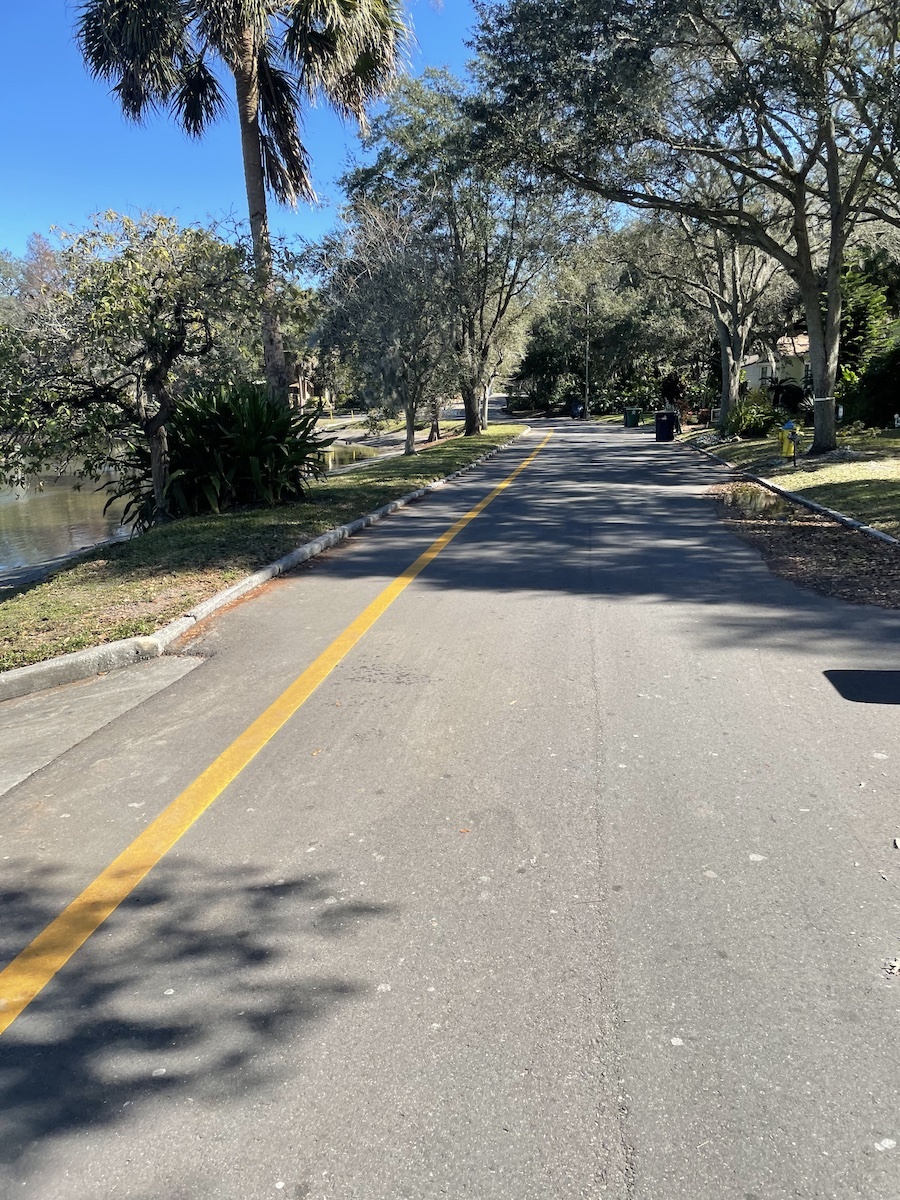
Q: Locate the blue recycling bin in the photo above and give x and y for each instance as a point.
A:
(665, 426)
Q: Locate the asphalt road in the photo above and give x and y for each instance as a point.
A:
(574, 879)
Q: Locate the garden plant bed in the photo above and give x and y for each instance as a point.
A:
(809, 549)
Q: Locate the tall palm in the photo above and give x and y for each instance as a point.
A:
(281, 54)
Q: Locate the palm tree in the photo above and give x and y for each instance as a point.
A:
(281, 54)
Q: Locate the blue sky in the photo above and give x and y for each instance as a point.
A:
(67, 152)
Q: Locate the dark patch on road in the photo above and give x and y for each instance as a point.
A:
(866, 687)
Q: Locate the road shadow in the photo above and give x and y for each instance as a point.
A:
(611, 514)
(866, 687)
(190, 987)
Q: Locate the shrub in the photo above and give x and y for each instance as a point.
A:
(376, 421)
(752, 416)
(874, 396)
(226, 448)
(787, 395)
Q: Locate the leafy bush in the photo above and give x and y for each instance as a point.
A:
(226, 448)
(700, 396)
(752, 416)
(857, 427)
(788, 395)
(376, 421)
(874, 396)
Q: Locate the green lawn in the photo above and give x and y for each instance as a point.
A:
(865, 484)
(136, 587)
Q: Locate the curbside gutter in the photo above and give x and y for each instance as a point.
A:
(796, 498)
(98, 660)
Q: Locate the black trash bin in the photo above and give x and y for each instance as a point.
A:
(632, 418)
(665, 426)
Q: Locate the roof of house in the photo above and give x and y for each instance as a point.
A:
(793, 345)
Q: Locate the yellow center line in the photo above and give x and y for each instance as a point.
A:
(37, 964)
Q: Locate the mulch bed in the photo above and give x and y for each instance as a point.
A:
(814, 552)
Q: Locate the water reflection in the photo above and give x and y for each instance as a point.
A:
(340, 455)
(50, 519)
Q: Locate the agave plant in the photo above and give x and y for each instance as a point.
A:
(227, 448)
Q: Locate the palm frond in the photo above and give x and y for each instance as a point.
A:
(279, 123)
(347, 49)
(135, 44)
(351, 91)
(225, 24)
(198, 99)
(283, 186)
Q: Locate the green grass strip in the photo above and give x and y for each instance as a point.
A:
(866, 487)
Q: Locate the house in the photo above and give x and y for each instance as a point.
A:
(788, 361)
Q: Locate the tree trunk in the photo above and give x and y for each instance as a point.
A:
(825, 430)
(409, 409)
(247, 88)
(434, 434)
(470, 399)
(824, 347)
(159, 471)
(731, 378)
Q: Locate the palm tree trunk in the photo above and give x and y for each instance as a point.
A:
(247, 88)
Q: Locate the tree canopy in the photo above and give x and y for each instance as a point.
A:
(109, 339)
(498, 229)
(793, 101)
(280, 54)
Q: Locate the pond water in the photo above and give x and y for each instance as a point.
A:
(50, 519)
(342, 456)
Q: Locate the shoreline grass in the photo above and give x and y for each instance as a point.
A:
(134, 588)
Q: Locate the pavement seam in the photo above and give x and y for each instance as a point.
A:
(796, 498)
(98, 660)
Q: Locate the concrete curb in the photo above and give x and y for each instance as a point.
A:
(796, 498)
(82, 664)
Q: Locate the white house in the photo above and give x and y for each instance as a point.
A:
(789, 360)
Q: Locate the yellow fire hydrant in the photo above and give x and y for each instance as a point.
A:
(790, 439)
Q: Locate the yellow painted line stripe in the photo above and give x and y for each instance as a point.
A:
(33, 969)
